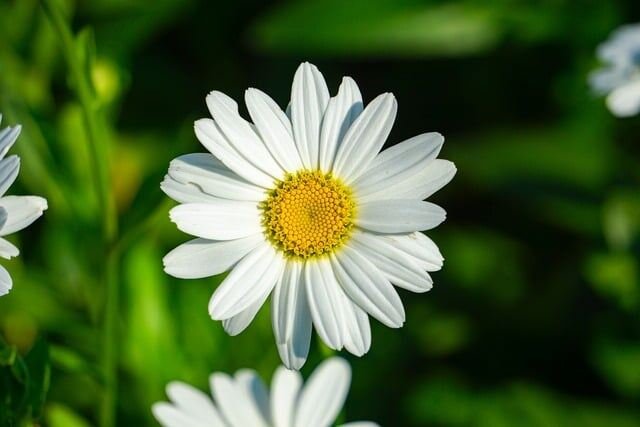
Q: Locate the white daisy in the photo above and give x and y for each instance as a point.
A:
(620, 79)
(303, 205)
(16, 212)
(244, 401)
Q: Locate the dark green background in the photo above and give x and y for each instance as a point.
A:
(535, 318)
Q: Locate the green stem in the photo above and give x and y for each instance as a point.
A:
(98, 148)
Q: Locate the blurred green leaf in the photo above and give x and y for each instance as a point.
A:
(449, 402)
(24, 383)
(617, 361)
(615, 276)
(62, 416)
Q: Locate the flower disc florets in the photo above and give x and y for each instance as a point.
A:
(308, 214)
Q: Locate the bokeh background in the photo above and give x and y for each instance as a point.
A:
(535, 318)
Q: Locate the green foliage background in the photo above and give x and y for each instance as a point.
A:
(535, 319)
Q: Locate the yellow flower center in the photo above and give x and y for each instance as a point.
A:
(308, 214)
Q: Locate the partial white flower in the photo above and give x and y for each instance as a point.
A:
(244, 401)
(302, 206)
(620, 78)
(16, 212)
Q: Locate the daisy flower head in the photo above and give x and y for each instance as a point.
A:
(619, 80)
(301, 205)
(244, 401)
(16, 212)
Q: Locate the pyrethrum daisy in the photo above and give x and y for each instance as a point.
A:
(243, 400)
(16, 212)
(619, 79)
(303, 206)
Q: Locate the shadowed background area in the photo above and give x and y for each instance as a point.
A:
(532, 322)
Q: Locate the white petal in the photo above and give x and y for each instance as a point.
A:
(238, 323)
(290, 317)
(235, 404)
(418, 246)
(624, 101)
(249, 381)
(213, 177)
(222, 220)
(309, 99)
(275, 129)
(399, 216)
(401, 168)
(398, 267)
(285, 388)
(9, 169)
(367, 287)
(253, 277)
(5, 281)
(357, 339)
(22, 211)
(8, 137)
(425, 183)
(324, 302)
(295, 351)
(185, 192)
(212, 138)
(170, 416)
(203, 258)
(7, 249)
(192, 401)
(285, 300)
(353, 322)
(324, 394)
(365, 138)
(240, 135)
(342, 111)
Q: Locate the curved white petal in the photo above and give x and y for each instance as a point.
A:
(309, 99)
(290, 316)
(214, 178)
(323, 294)
(295, 351)
(419, 247)
(222, 220)
(324, 394)
(9, 169)
(285, 300)
(399, 268)
(285, 388)
(253, 387)
(170, 416)
(238, 323)
(399, 216)
(200, 258)
(366, 286)
(365, 138)
(275, 129)
(5, 281)
(252, 277)
(8, 137)
(357, 334)
(212, 138)
(7, 249)
(342, 111)
(624, 101)
(235, 404)
(21, 211)
(185, 192)
(240, 135)
(195, 403)
(404, 171)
